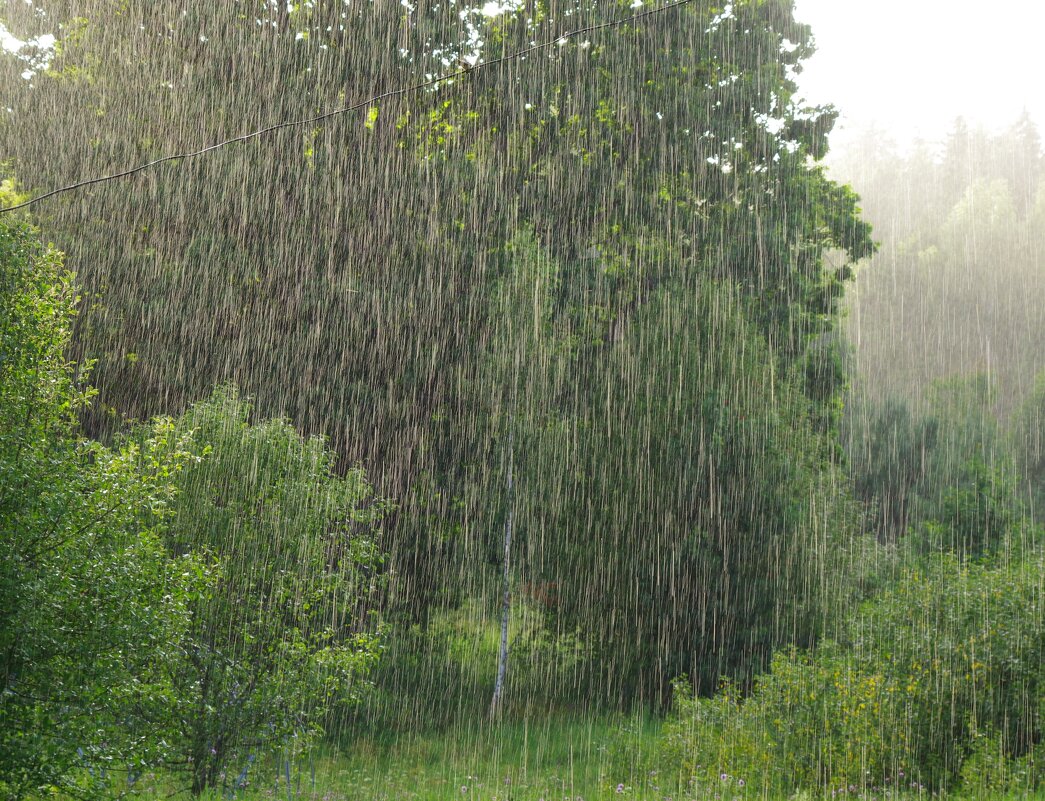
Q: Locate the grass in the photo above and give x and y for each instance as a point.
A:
(558, 758)
(553, 758)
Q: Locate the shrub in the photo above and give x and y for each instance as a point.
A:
(90, 603)
(285, 632)
(952, 653)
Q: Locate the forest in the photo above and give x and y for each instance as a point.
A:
(516, 403)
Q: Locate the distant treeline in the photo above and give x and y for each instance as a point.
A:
(958, 285)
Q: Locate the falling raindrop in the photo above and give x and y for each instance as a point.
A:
(512, 400)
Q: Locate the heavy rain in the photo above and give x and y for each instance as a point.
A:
(542, 399)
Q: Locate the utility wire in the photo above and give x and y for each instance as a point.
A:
(345, 109)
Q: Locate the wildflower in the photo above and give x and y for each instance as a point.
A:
(464, 789)
(740, 782)
(724, 777)
(620, 788)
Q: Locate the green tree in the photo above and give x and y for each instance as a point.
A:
(681, 498)
(1028, 434)
(284, 633)
(660, 156)
(890, 458)
(91, 606)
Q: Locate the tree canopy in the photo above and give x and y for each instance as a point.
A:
(661, 173)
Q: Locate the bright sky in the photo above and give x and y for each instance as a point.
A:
(912, 66)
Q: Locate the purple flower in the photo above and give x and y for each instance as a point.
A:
(724, 776)
(620, 788)
(740, 782)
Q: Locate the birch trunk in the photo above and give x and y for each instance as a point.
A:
(506, 598)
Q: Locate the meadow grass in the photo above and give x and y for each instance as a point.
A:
(557, 758)
(561, 757)
(549, 758)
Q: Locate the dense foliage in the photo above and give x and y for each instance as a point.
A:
(190, 598)
(91, 607)
(282, 634)
(941, 683)
(718, 515)
(578, 317)
(660, 165)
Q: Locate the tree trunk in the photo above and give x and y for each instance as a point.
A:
(506, 598)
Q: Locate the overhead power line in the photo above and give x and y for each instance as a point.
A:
(346, 109)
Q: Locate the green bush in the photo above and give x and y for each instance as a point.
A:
(285, 632)
(989, 771)
(945, 473)
(952, 651)
(971, 513)
(91, 606)
(966, 641)
(812, 721)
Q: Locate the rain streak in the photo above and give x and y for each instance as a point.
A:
(515, 402)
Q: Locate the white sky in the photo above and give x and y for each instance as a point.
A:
(912, 66)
